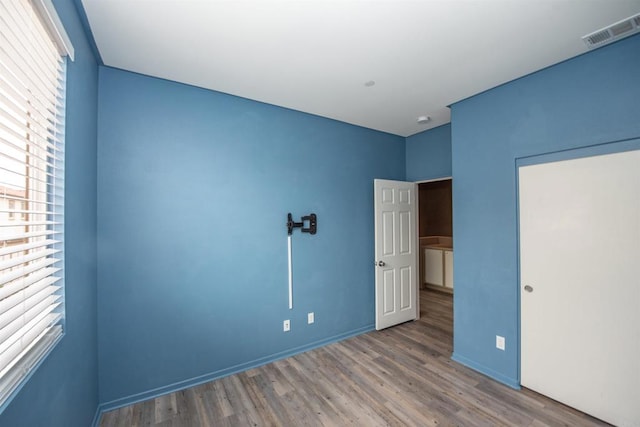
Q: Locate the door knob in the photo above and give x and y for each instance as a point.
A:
(381, 264)
(528, 288)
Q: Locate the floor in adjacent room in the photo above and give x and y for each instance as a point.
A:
(399, 376)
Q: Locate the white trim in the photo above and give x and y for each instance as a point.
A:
(52, 22)
(26, 366)
(446, 178)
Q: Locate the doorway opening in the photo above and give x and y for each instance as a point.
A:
(435, 234)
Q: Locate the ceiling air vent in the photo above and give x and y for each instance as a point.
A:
(613, 32)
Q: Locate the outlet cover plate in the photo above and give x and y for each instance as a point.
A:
(500, 342)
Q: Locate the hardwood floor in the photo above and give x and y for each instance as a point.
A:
(399, 376)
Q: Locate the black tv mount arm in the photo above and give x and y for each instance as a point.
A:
(311, 218)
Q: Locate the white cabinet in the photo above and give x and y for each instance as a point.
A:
(433, 268)
(448, 269)
(438, 267)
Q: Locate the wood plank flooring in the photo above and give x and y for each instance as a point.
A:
(401, 376)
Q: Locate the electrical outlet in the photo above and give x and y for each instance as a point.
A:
(310, 318)
(500, 342)
(286, 325)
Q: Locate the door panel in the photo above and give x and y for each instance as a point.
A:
(579, 262)
(388, 233)
(406, 240)
(389, 292)
(396, 252)
(405, 289)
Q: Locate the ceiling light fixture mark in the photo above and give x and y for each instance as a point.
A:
(369, 83)
(424, 119)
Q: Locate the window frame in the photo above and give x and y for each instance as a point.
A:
(40, 174)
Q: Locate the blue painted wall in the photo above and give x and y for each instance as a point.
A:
(193, 191)
(64, 390)
(589, 100)
(428, 154)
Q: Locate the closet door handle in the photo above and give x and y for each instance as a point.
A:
(528, 288)
(380, 264)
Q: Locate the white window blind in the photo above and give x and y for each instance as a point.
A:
(32, 84)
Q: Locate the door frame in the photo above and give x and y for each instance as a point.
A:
(426, 181)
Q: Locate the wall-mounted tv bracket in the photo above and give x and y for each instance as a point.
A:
(311, 229)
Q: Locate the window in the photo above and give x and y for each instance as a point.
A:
(33, 51)
(12, 208)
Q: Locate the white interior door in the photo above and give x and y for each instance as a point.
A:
(396, 250)
(580, 283)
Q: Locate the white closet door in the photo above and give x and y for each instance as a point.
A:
(580, 283)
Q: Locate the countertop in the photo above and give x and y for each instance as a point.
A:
(438, 246)
(437, 242)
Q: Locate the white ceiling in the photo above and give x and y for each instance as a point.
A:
(315, 56)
